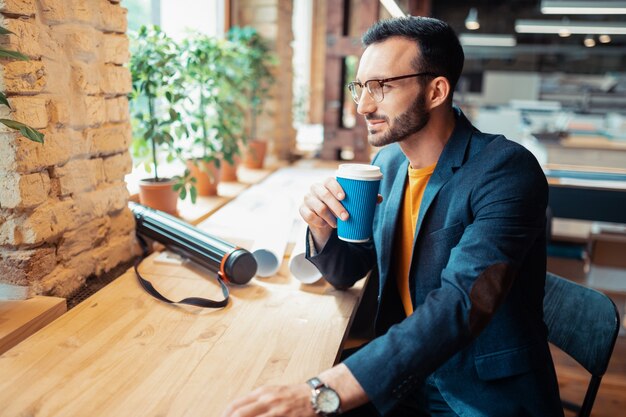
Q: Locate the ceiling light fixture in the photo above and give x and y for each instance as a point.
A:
(583, 7)
(589, 41)
(471, 21)
(471, 39)
(604, 38)
(574, 27)
(393, 8)
(564, 32)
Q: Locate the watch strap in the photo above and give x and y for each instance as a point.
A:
(316, 386)
(315, 383)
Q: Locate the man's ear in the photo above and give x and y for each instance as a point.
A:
(439, 91)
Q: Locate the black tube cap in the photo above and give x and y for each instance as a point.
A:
(240, 267)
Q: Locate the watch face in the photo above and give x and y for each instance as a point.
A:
(328, 401)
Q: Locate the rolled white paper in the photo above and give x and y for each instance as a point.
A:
(301, 268)
(261, 218)
(271, 241)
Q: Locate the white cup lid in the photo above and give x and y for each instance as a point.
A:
(359, 172)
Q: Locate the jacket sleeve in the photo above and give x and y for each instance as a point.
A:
(508, 203)
(342, 263)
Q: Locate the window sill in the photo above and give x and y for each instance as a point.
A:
(205, 206)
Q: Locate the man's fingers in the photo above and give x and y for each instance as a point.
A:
(333, 186)
(251, 410)
(326, 196)
(320, 209)
(248, 405)
(311, 218)
(237, 405)
(273, 401)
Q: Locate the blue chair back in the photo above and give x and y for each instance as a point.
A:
(583, 323)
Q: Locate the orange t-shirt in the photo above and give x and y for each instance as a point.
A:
(405, 234)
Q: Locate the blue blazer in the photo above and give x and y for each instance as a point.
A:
(476, 279)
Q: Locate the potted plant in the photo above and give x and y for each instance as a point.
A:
(156, 90)
(256, 60)
(231, 102)
(210, 112)
(26, 131)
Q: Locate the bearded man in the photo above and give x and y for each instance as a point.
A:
(459, 245)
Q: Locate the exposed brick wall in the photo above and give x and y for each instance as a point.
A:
(63, 213)
(272, 18)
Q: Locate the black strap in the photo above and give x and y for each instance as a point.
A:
(194, 301)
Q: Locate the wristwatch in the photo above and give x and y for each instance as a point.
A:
(325, 400)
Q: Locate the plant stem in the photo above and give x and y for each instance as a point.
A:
(205, 136)
(154, 159)
(253, 122)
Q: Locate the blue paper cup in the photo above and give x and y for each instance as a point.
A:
(360, 184)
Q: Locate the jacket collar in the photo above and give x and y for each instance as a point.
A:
(451, 158)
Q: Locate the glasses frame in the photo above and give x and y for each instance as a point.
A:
(381, 82)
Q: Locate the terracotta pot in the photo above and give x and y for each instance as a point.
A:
(159, 195)
(255, 154)
(207, 176)
(228, 172)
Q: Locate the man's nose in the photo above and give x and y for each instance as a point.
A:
(366, 104)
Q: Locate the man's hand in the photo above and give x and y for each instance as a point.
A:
(295, 400)
(321, 208)
(274, 401)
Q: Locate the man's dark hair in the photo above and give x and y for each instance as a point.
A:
(440, 50)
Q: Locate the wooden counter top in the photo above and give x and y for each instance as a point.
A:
(123, 353)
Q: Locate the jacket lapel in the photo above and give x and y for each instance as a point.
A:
(390, 218)
(450, 160)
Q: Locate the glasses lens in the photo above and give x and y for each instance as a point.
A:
(375, 90)
(355, 90)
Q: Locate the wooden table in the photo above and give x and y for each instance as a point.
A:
(123, 353)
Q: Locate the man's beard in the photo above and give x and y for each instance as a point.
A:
(411, 121)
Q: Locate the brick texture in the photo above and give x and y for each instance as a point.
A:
(23, 266)
(32, 109)
(78, 175)
(26, 37)
(18, 7)
(24, 77)
(63, 204)
(24, 191)
(117, 166)
(116, 49)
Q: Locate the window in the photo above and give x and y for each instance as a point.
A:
(176, 18)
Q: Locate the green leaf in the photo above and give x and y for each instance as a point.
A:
(25, 130)
(193, 192)
(5, 31)
(183, 193)
(3, 100)
(13, 55)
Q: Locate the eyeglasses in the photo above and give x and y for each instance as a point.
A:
(375, 87)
